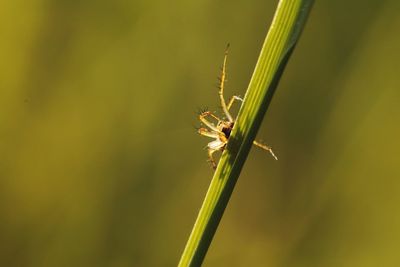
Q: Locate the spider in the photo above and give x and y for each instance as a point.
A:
(222, 130)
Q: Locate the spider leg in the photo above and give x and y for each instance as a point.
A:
(222, 80)
(208, 113)
(211, 159)
(265, 147)
(202, 118)
(233, 98)
(205, 132)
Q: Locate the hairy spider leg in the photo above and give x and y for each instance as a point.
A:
(222, 80)
(233, 98)
(211, 159)
(205, 132)
(265, 147)
(202, 118)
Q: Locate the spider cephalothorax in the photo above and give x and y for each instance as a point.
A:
(227, 129)
(222, 129)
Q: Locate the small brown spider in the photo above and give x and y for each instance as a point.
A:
(222, 130)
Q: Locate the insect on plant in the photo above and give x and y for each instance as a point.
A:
(223, 127)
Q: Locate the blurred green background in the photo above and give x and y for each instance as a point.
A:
(101, 165)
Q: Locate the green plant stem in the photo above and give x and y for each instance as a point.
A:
(280, 41)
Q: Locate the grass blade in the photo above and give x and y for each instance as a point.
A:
(280, 41)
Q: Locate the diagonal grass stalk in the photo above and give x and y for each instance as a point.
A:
(285, 30)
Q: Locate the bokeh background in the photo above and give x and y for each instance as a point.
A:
(100, 163)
